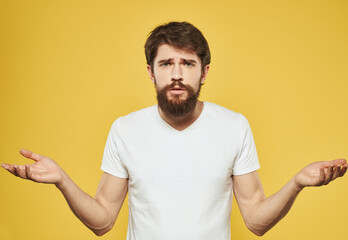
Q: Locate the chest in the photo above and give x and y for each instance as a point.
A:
(171, 165)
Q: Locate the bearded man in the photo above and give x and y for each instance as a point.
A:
(181, 160)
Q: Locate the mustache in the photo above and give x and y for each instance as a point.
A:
(175, 84)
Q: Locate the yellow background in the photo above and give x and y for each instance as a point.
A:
(70, 68)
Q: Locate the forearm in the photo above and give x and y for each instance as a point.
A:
(91, 212)
(260, 213)
(269, 211)
(99, 213)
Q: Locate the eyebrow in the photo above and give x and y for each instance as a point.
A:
(165, 60)
(189, 60)
(170, 59)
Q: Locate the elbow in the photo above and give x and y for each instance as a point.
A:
(258, 231)
(103, 229)
(101, 232)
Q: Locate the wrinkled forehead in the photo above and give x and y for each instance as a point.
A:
(166, 51)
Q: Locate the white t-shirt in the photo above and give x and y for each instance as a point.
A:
(180, 184)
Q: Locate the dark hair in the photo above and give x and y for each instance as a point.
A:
(178, 34)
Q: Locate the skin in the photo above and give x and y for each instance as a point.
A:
(99, 213)
(260, 214)
(171, 65)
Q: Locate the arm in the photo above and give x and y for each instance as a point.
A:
(260, 213)
(98, 214)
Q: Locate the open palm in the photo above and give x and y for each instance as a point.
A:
(44, 170)
(321, 173)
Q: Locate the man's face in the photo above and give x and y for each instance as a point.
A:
(177, 75)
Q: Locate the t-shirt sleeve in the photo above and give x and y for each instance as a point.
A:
(247, 160)
(112, 163)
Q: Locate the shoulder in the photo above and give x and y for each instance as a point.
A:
(223, 114)
(139, 115)
(232, 126)
(135, 119)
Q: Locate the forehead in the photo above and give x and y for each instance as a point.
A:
(166, 51)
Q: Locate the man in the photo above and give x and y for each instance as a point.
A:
(179, 160)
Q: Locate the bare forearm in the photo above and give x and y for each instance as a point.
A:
(269, 211)
(99, 213)
(260, 213)
(91, 212)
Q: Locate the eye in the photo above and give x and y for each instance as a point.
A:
(188, 64)
(164, 64)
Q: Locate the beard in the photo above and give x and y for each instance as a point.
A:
(177, 107)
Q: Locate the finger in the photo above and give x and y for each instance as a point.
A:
(23, 171)
(336, 172)
(339, 162)
(343, 170)
(326, 165)
(322, 176)
(329, 174)
(28, 172)
(16, 170)
(20, 170)
(8, 167)
(29, 154)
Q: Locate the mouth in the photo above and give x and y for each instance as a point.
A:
(177, 90)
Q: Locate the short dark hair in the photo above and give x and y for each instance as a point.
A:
(178, 34)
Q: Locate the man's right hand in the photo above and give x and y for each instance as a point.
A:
(98, 214)
(44, 170)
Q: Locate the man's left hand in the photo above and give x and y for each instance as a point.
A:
(321, 173)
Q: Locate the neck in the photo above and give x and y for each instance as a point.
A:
(182, 122)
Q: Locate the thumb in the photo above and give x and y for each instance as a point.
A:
(339, 162)
(29, 154)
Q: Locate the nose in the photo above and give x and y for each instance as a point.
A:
(176, 73)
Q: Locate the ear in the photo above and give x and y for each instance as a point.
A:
(204, 73)
(151, 74)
